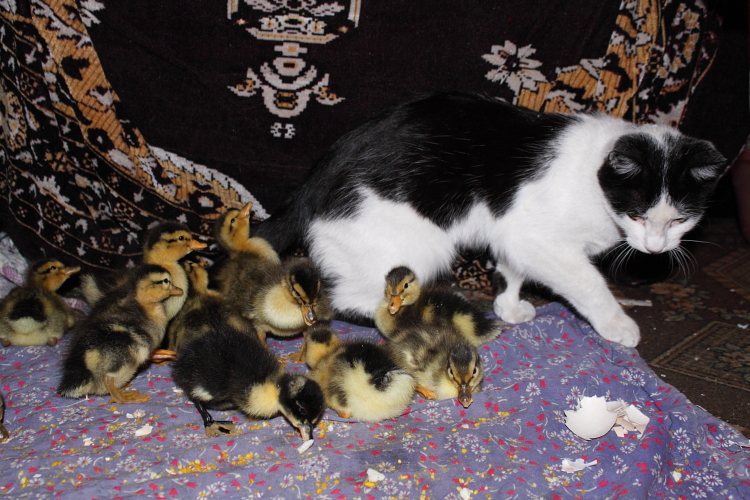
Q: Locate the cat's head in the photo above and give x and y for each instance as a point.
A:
(658, 183)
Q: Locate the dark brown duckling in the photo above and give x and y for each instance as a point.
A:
(4, 434)
(34, 314)
(406, 302)
(444, 364)
(228, 369)
(203, 309)
(282, 299)
(118, 337)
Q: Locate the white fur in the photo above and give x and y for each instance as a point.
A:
(555, 225)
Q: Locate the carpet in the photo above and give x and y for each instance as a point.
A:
(718, 353)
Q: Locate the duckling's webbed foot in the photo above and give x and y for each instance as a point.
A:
(52, 342)
(299, 356)
(163, 356)
(5, 342)
(425, 392)
(123, 397)
(214, 428)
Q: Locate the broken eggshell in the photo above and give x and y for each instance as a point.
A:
(592, 419)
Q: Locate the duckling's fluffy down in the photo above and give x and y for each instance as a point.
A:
(362, 382)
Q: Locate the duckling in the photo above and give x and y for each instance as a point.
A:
(4, 434)
(165, 244)
(229, 369)
(203, 308)
(279, 298)
(405, 302)
(359, 379)
(118, 336)
(34, 314)
(444, 364)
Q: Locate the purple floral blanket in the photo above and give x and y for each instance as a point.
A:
(510, 443)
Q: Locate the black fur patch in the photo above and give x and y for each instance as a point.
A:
(28, 307)
(375, 360)
(640, 170)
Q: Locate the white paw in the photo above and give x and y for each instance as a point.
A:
(513, 311)
(621, 329)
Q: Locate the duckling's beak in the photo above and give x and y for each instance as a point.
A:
(308, 314)
(464, 395)
(197, 245)
(306, 430)
(395, 304)
(245, 212)
(176, 291)
(72, 270)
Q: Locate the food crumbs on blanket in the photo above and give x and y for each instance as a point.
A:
(676, 476)
(306, 445)
(144, 431)
(464, 493)
(88, 442)
(576, 465)
(595, 417)
(374, 476)
(136, 414)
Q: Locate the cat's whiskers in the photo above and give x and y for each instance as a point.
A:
(684, 260)
(625, 252)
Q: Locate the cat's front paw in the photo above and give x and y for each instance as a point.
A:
(621, 329)
(513, 311)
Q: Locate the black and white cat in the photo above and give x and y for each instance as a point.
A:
(544, 192)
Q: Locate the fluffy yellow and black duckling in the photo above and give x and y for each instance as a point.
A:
(229, 369)
(4, 434)
(359, 379)
(34, 314)
(203, 308)
(118, 337)
(165, 244)
(444, 364)
(282, 299)
(406, 302)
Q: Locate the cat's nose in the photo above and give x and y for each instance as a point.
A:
(655, 246)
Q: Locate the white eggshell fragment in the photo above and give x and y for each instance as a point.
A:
(592, 419)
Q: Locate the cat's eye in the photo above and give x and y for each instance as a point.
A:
(680, 220)
(635, 216)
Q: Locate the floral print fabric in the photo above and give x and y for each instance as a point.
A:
(510, 443)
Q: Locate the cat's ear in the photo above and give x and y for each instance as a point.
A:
(704, 162)
(624, 165)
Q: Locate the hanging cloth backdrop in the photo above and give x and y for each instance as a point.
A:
(118, 114)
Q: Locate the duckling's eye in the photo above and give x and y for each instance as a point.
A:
(450, 372)
(406, 285)
(181, 238)
(52, 268)
(302, 410)
(476, 370)
(231, 222)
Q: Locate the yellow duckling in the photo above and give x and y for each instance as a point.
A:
(359, 379)
(165, 244)
(406, 303)
(229, 369)
(444, 364)
(118, 337)
(34, 314)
